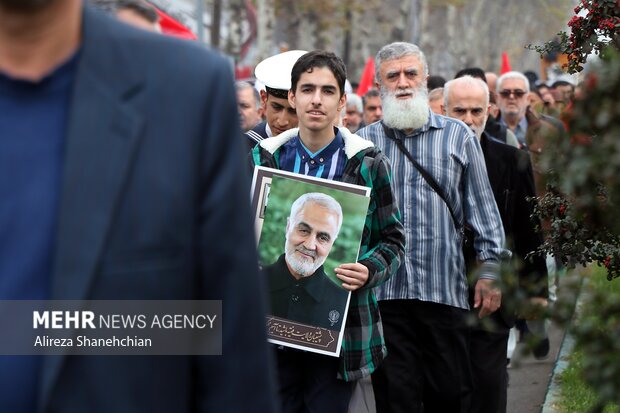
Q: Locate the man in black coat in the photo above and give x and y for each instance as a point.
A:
(511, 178)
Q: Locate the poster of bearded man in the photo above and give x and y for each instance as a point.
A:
(305, 228)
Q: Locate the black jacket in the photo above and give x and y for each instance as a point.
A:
(313, 300)
(256, 134)
(512, 181)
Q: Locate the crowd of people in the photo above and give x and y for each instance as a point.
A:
(510, 121)
(483, 171)
(125, 179)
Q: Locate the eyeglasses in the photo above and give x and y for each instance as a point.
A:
(517, 93)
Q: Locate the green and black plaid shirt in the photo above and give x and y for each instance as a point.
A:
(382, 249)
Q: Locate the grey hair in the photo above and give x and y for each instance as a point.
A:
(512, 75)
(317, 198)
(355, 100)
(372, 93)
(109, 6)
(397, 50)
(469, 81)
(242, 85)
(140, 7)
(435, 94)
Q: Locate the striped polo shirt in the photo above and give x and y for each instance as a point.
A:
(328, 162)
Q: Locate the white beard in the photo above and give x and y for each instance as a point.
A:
(405, 114)
(302, 266)
(478, 130)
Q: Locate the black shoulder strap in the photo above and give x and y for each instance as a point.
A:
(428, 177)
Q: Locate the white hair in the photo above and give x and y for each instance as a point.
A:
(512, 75)
(241, 85)
(317, 198)
(397, 50)
(468, 81)
(355, 100)
(435, 94)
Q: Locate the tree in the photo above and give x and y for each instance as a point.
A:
(452, 33)
(266, 21)
(583, 171)
(584, 189)
(594, 27)
(463, 33)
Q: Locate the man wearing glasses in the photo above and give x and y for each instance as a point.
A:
(529, 127)
(512, 101)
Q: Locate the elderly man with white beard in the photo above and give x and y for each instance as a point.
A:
(424, 306)
(298, 286)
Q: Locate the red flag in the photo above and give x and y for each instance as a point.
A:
(505, 64)
(367, 81)
(172, 27)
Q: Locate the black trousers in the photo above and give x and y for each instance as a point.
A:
(487, 354)
(427, 368)
(308, 383)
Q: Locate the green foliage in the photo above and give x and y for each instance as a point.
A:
(595, 26)
(584, 169)
(283, 192)
(580, 206)
(592, 379)
(576, 395)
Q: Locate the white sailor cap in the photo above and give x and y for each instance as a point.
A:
(275, 71)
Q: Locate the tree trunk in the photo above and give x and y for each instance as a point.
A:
(265, 23)
(424, 38)
(235, 29)
(216, 21)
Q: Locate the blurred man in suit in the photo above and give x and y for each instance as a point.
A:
(117, 195)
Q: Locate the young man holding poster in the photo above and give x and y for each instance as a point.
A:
(317, 148)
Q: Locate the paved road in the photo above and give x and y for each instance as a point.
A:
(529, 378)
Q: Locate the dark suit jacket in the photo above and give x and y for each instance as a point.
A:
(313, 300)
(154, 205)
(255, 135)
(494, 128)
(510, 174)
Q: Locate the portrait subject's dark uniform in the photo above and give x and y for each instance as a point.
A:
(313, 300)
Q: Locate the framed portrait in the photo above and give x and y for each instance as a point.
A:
(305, 228)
